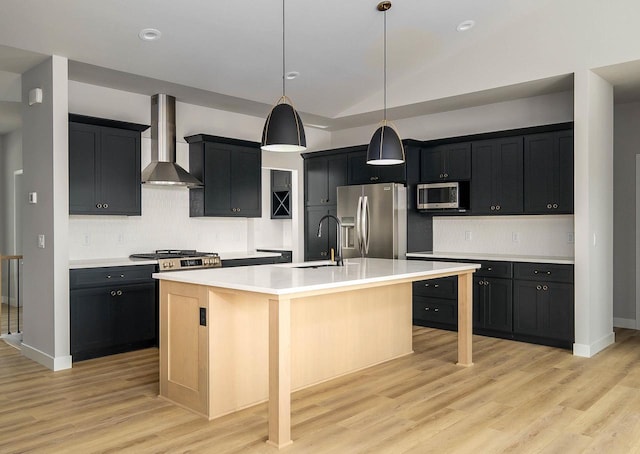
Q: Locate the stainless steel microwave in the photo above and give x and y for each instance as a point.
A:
(439, 196)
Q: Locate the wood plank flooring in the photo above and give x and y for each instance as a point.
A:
(518, 398)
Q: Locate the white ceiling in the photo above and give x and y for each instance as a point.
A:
(227, 53)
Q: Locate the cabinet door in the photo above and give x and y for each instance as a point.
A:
(315, 181)
(497, 183)
(362, 173)
(84, 142)
(457, 164)
(318, 248)
(217, 180)
(493, 304)
(246, 182)
(336, 176)
(91, 326)
(548, 173)
(432, 164)
(134, 313)
(544, 309)
(119, 179)
(450, 162)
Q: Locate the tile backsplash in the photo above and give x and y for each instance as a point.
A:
(527, 235)
(165, 223)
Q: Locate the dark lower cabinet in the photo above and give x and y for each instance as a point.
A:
(544, 309)
(529, 302)
(112, 311)
(492, 305)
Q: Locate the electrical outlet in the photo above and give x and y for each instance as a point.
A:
(86, 240)
(467, 235)
(120, 238)
(41, 241)
(515, 237)
(570, 238)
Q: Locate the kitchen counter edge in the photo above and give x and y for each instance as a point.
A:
(496, 257)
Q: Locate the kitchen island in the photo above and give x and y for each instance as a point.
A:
(232, 338)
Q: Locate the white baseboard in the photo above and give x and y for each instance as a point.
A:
(48, 361)
(587, 351)
(628, 323)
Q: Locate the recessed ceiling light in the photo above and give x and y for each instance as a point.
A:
(149, 34)
(292, 75)
(466, 25)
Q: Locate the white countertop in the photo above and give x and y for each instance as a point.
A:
(126, 261)
(238, 255)
(282, 279)
(499, 257)
(100, 263)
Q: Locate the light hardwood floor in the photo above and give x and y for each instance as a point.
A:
(517, 398)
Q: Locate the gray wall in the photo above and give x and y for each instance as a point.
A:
(10, 160)
(46, 171)
(626, 147)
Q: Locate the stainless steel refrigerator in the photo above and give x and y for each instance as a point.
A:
(374, 220)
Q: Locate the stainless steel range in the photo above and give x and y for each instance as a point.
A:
(181, 259)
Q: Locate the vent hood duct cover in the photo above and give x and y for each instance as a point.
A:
(163, 169)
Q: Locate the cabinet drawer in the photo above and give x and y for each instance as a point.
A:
(91, 277)
(444, 287)
(435, 310)
(495, 269)
(550, 272)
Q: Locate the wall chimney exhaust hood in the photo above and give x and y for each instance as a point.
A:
(163, 169)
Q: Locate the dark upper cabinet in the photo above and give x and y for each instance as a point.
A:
(319, 248)
(548, 173)
(448, 162)
(492, 304)
(323, 175)
(230, 171)
(362, 173)
(497, 183)
(104, 166)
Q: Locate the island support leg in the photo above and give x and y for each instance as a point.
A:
(280, 373)
(465, 319)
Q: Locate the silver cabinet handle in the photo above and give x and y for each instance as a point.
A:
(119, 292)
(105, 205)
(446, 175)
(497, 207)
(374, 178)
(442, 175)
(544, 287)
(549, 206)
(122, 276)
(108, 276)
(489, 268)
(493, 207)
(538, 287)
(98, 205)
(555, 205)
(435, 310)
(436, 285)
(113, 293)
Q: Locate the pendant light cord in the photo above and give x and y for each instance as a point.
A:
(385, 66)
(283, 52)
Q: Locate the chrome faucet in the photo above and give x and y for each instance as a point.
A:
(338, 257)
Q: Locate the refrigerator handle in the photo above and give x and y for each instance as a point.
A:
(358, 226)
(366, 221)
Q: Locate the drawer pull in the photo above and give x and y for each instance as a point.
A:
(549, 206)
(436, 285)
(555, 205)
(108, 276)
(489, 268)
(119, 293)
(544, 287)
(122, 276)
(538, 287)
(105, 205)
(493, 208)
(446, 175)
(435, 310)
(497, 207)
(113, 293)
(548, 273)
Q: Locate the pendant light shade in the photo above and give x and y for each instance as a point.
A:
(385, 147)
(283, 130)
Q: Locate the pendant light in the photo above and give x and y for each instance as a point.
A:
(283, 129)
(385, 147)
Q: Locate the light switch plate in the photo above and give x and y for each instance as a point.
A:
(33, 197)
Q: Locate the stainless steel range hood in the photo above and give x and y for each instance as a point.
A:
(163, 169)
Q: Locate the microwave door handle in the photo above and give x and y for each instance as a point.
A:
(366, 221)
(358, 233)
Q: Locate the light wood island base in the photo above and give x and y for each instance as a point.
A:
(222, 349)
